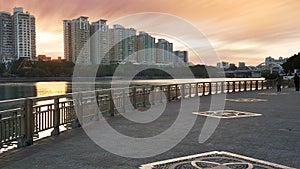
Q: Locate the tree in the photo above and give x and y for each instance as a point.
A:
(2, 68)
(292, 63)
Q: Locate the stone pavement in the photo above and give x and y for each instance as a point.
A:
(273, 136)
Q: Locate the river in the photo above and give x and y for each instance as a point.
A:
(36, 89)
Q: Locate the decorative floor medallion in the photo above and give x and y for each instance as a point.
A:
(214, 160)
(273, 93)
(226, 114)
(246, 100)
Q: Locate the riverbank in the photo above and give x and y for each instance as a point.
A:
(44, 79)
(34, 79)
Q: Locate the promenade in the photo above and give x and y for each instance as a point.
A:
(273, 136)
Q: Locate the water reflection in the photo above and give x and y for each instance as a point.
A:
(51, 88)
(17, 90)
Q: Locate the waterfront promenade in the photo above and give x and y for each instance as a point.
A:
(273, 136)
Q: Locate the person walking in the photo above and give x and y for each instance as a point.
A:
(296, 81)
(278, 83)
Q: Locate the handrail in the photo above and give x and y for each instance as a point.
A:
(28, 116)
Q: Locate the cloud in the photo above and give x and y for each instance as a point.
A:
(269, 27)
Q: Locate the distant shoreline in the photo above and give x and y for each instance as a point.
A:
(107, 78)
(34, 79)
(63, 79)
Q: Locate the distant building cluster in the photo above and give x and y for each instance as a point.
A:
(272, 64)
(17, 35)
(97, 43)
(226, 65)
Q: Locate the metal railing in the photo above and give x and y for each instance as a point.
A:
(22, 119)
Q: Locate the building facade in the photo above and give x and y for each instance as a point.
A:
(77, 40)
(181, 58)
(164, 52)
(6, 35)
(24, 34)
(99, 43)
(67, 40)
(116, 44)
(130, 45)
(223, 65)
(17, 35)
(145, 49)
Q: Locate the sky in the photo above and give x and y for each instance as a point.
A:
(242, 30)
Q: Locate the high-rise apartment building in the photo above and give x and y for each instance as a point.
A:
(77, 40)
(145, 49)
(6, 35)
(117, 44)
(99, 43)
(181, 58)
(164, 52)
(130, 45)
(17, 34)
(122, 44)
(67, 40)
(96, 43)
(24, 34)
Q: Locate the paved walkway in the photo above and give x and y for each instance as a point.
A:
(272, 137)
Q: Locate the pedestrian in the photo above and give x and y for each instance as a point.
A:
(296, 81)
(278, 83)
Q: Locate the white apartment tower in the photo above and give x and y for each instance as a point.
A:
(116, 44)
(122, 44)
(145, 49)
(164, 52)
(24, 34)
(17, 35)
(6, 36)
(130, 45)
(76, 40)
(99, 43)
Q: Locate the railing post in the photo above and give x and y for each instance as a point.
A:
(262, 85)
(144, 97)
(152, 98)
(183, 91)
(111, 104)
(160, 94)
(123, 100)
(233, 86)
(28, 124)
(245, 86)
(190, 90)
(256, 85)
(197, 89)
(240, 86)
(56, 117)
(203, 87)
(169, 93)
(222, 87)
(228, 87)
(78, 108)
(176, 91)
(134, 97)
(210, 88)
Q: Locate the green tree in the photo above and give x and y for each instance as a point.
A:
(2, 68)
(292, 63)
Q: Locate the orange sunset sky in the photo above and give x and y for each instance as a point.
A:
(239, 30)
